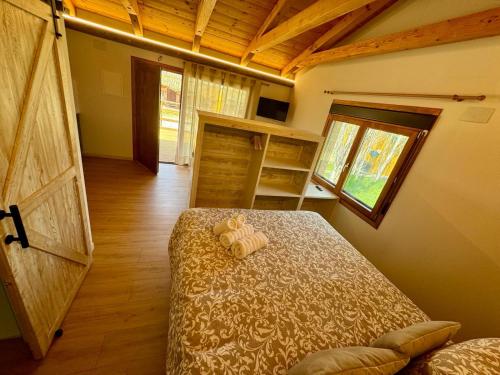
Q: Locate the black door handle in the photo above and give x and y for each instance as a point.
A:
(18, 222)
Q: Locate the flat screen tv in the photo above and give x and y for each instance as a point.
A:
(274, 109)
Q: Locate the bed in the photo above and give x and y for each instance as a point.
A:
(309, 290)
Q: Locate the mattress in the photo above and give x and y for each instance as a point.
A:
(309, 290)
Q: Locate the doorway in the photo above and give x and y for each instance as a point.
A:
(170, 110)
(156, 102)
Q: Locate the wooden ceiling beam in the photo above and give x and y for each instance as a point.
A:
(133, 11)
(345, 26)
(473, 26)
(315, 15)
(205, 9)
(248, 54)
(68, 4)
(118, 36)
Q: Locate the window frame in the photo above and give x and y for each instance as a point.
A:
(416, 139)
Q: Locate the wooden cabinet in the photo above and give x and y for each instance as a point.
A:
(250, 164)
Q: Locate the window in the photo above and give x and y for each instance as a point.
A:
(368, 151)
(211, 90)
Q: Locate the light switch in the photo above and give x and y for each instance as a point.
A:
(479, 115)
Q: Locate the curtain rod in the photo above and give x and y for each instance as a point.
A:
(458, 98)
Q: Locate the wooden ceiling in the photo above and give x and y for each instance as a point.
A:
(286, 35)
(233, 27)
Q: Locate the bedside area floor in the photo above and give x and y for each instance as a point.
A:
(118, 322)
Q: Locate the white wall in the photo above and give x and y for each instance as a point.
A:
(101, 71)
(440, 241)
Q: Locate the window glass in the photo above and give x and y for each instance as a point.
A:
(369, 148)
(336, 150)
(376, 158)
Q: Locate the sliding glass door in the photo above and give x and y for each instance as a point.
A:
(170, 106)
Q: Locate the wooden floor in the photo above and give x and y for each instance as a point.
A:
(118, 321)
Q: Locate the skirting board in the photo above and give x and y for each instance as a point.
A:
(90, 155)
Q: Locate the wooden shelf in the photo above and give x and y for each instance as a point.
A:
(293, 165)
(314, 193)
(228, 171)
(276, 203)
(275, 190)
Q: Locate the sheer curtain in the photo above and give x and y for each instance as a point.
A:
(208, 89)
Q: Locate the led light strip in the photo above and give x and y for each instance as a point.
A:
(174, 49)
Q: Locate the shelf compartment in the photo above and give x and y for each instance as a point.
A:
(313, 193)
(324, 207)
(281, 182)
(276, 190)
(290, 153)
(275, 203)
(224, 172)
(293, 165)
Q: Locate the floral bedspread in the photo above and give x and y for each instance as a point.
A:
(309, 290)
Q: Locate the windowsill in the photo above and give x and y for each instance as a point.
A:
(347, 202)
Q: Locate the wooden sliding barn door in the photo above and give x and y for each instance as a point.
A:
(40, 174)
(146, 76)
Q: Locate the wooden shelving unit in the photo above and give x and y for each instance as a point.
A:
(231, 171)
